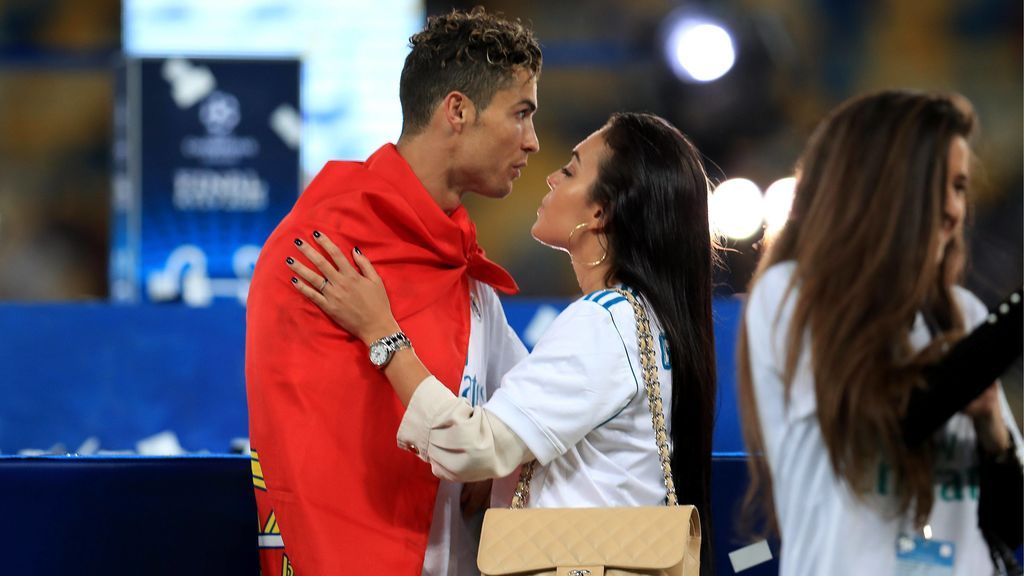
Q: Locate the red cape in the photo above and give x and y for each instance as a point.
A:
(330, 479)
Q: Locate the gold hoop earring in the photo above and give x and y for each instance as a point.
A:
(597, 262)
(573, 232)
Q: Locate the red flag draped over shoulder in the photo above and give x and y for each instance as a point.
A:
(332, 486)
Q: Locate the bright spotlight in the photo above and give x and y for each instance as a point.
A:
(737, 208)
(778, 199)
(700, 50)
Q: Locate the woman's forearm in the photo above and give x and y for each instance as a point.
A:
(993, 435)
(965, 373)
(405, 372)
(462, 442)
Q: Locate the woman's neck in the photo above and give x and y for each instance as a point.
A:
(593, 278)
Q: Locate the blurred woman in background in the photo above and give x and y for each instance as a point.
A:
(852, 300)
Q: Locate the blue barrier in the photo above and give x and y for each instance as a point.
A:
(122, 373)
(128, 515)
(189, 515)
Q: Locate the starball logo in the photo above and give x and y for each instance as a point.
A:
(220, 113)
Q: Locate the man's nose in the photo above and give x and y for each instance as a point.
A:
(532, 143)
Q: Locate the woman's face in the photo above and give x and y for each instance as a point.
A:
(567, 203)
(954, 208)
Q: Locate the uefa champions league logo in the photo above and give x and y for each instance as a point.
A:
(220, 113)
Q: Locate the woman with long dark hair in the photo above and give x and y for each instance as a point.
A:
(630, 208)
(850, 304)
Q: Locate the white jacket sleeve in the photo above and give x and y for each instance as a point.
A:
(461, 443)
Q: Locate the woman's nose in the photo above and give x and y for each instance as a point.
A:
(955, 208)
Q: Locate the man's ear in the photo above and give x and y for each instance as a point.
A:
(458, 111)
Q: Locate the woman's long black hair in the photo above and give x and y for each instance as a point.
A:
(654, 190)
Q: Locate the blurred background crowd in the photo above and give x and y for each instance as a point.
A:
(794, 59)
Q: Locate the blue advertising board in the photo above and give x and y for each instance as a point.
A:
(206, 164)
(122, 374)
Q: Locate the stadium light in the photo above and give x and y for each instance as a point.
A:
(737, 208)
(778, 199)
(699, 49)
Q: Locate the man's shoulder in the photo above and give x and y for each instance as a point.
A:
(341, 176)
(383, 171)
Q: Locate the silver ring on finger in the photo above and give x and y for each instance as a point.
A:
(322, 286)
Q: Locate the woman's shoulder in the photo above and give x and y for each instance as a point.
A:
(972, 308)
(606, 299)
(776, 276)
(595, 311)
(772, 286)
(593, 326)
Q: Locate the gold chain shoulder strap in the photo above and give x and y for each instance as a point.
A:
(650, 372)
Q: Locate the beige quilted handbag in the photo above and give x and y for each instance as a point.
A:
(648, 540)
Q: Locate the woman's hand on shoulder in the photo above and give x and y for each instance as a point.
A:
(987, 414)
(354, 298)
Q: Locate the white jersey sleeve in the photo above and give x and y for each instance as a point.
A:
(578, 377)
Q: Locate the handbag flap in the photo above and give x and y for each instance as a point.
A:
(654, 537)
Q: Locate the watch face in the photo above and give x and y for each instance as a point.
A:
(378, 354)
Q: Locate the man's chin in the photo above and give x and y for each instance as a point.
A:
(499, 193)
(496, 192)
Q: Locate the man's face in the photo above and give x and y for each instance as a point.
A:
(496, 143)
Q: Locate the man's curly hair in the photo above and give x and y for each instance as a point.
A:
(474, 52)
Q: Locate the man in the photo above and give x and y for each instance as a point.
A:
(322, 417)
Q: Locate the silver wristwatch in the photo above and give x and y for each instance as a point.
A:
(383, 350)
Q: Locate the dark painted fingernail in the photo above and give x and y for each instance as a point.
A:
(298, 242)
(358, 251)
(295, 280)
(316, 234)
(289, 260)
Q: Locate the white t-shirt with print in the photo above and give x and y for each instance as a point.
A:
(579, 403)
(494, 348)
(824, 528)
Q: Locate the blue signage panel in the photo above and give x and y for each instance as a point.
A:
(206, 165)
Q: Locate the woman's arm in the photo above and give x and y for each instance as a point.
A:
(357, 301)
(462, 443)
(963, 380)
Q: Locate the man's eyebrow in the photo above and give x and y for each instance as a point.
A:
(530, 103)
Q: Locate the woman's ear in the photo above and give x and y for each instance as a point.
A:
(598, 219)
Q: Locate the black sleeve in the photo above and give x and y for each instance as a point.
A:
(966, 371)
(1001, 500)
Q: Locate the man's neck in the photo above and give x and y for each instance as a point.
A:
(428, 161)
